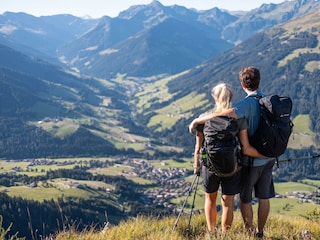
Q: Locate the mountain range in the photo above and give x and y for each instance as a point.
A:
(131, 84)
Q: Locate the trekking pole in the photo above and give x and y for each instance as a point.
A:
(184, 203)
(302, 158)
(192, 206)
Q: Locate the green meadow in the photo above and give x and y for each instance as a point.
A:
(285, 188)
(57, 188)
(302, 136)
(290, 207)
(283, 206)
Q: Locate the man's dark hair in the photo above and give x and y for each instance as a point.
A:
(250, 77)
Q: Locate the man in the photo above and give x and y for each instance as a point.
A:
(256, 172)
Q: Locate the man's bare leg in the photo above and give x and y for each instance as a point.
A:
(263, 212)
(247, 215)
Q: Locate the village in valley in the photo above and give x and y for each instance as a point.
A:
(170, 182)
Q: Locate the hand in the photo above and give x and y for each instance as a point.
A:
(196, 171)
(193, 126)
(196, 168)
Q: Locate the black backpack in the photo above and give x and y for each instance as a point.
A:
(275, 126)
(221, 146)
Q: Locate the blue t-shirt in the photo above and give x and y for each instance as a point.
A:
(249, 108)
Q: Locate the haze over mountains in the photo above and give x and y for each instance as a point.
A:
(134, 82)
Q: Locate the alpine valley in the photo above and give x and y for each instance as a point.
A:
(123, 90)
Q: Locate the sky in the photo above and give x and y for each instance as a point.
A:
(111, 8)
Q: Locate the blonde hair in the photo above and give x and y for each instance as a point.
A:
(222, 95)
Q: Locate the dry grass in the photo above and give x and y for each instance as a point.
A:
(149, 228)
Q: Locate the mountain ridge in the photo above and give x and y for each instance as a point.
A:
(142, 114)
(92, 45)
(51, 111)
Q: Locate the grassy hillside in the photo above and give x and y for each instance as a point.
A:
(147, 228)
(303, 136)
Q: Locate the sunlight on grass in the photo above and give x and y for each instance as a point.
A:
(111, 171)
(302, 135)
(289, 207)
(65, 183)
(36, 193)
(312, 66)
(154, 90)
(6, 166)
(285, 187)
(54, 190)
(292, 26)
(60, 128)
(170, 163)
(300, 141)
(148, 228)
(302, 124)
(312, 182)
(168, 116)
(142, 181)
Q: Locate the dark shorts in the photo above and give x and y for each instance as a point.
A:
(229, 185)
(259, 179)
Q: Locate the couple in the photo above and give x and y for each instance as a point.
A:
(254, 175)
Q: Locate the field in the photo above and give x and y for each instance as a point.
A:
(55, 188)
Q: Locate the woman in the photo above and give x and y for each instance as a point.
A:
(222, 95)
